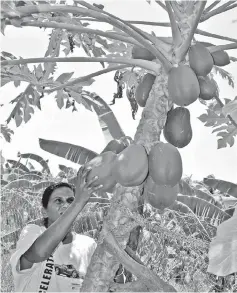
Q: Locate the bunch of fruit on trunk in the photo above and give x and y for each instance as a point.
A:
(161, 169)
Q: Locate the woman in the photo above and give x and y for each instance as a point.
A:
(53, 258)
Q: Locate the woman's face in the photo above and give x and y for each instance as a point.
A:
(59, 201)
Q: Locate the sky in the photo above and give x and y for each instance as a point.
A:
(200, 158)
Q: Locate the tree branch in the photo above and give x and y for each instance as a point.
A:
(184, 47)
(149, 65)
(216, 11)
(176, 35)
(165, 24)
(149, 278)
(161, 4)
(98, 14)
(211, 6)
(86, 77)
(213, 49)
(79, 29)
(203, 33)
(136, 33)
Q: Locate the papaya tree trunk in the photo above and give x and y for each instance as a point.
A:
(117, 224)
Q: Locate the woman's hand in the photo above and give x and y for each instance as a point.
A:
(84, 188)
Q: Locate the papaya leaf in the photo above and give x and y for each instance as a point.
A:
(6, 132)
(8, 10)
(17, 165)
(64, 77)
(74, 153)
(60, 97)
(3, 182)
(24, 105)
(54, 43)
(212, 119)
(224, 74)
(227, 138)
(38, 159)
(223, 249)
(230, 109)
(233, 59)
(16, 184)
(204, 209)
(225, 187)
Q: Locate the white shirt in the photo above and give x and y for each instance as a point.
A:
(60, 273)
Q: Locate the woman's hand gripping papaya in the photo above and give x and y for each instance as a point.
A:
(85, 188)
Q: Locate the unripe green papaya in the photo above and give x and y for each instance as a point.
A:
(208, 88)
(220, 58)
(200, 59)
(102, 167)
(165, 164)
(177, 129)
(160, 196)
(142, 53)
(144, 88)
(183, 86)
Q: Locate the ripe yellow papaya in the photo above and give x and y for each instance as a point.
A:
(142, 53)
(143, 89)
(165, 164)
(159, 196)
(200, 59)
(183, 86)
(177, 129)
(208, 88)
(102, 166)
(220, 58)
(131, 166)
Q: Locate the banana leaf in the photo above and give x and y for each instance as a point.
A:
(32, 177)
(43, 184)
(204, 195)
(73, 153)
(224, 187)
(108, 122)
(16, 164)
(20, 183)
(38, 159)
(204, 209)
(185, 188)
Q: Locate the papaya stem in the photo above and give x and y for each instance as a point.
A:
(218, 10)
(181, 52)
(86, 77)
(209, 8)
(175, 7)
(133, 32)
(214, 49)
(207, 34)
(161, 4)
(149, 278)
(135, 286)
(78, 28)
(177, 39)
(149, 65)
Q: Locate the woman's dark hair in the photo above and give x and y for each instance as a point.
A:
(49, 190)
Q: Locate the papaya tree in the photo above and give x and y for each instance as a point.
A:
(163, 75)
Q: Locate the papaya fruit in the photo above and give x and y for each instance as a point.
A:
(143, 89)
(165, 164)
(102, 166)
(208, 88)
(159, 196)
(142, 53)
(200, 59)
(220, 58)
(177, 129)
(183, 86)
(131, 166)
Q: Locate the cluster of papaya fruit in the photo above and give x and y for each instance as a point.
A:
(185, 85)
(130, 165)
